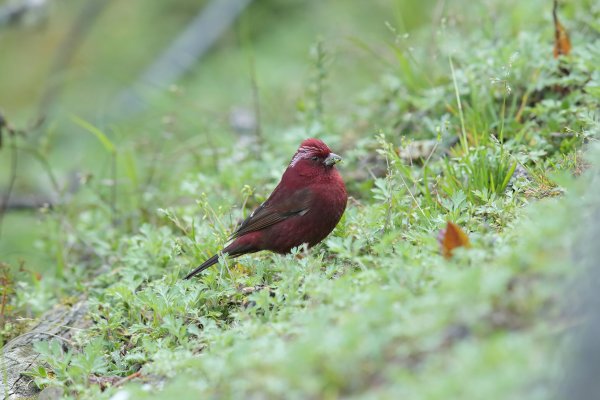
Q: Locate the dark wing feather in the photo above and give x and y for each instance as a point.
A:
(275, 210)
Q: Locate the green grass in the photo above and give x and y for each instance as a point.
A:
(374, 311)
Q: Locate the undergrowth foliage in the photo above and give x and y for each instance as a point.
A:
(375, 310)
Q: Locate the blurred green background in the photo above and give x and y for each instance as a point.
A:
(110, 43)
(144, 190)
(117, 41)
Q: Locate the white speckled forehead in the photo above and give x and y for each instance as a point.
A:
(303, 153)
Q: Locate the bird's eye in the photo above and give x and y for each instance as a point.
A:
(315, 158)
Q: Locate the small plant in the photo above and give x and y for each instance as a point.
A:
(312, 107)
(481, 174)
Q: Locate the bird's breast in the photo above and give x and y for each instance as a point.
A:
(311, 226)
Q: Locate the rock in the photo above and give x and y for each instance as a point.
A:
(20, 357)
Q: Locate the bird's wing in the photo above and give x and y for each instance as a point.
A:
(275, 210)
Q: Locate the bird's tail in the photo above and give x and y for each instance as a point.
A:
(208, 263)
(234, 250)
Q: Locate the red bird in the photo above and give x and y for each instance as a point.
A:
(305, 206)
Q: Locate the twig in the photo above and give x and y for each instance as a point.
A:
(525, 97)
(46, 165)
(460, 109)
(256, 101)
(389, 200)
(113, 192)
(128, 378)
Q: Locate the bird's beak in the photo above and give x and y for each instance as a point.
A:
(332, 159)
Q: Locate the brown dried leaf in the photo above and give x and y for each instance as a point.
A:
(452, 237)
(562, 44)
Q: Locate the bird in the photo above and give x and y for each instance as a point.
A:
(304, 207)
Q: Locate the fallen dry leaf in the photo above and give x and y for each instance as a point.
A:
(562, 44)
(452, 237)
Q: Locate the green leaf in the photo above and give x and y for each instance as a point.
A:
(101, 136)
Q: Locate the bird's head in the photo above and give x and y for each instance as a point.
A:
(314, 155)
